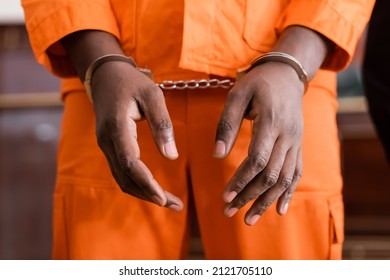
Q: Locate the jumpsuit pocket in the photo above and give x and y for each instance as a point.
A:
(336, 228)
(261, 18)
(60, 251)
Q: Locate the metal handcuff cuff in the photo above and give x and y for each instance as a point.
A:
(197, 84)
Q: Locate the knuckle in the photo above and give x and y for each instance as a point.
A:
(286, 182)
(245, 200)
(266, 206)
(236, 95)
(242, 92)
(224, 126)
(261, 208)
(292, 129)
(242, 202)
(148, 94)
(240, 185)
(163, 127)
(289, 194)
(270, 179)
(298, 174)
(258, 161)
(233, 93)
(150, 91)
(271, 119)
(164, 124)
(126, 164)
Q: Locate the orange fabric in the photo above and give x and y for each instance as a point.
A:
(93, 219)
(218, 38)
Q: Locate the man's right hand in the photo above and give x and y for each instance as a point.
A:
(121, 96)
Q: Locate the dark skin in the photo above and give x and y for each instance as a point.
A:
(270, 95)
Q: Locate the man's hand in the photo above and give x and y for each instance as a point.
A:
(121, 97)
(270, 95)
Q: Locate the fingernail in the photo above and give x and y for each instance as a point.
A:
(175, 207)
(230, 212)
(252, 220)
(171, 150)
(219, 149)
(230, 196)
(284, 208)
(158, 200)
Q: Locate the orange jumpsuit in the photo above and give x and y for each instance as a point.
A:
(193, 39)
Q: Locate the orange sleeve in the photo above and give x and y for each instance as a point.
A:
(47, 21)
(341, 21)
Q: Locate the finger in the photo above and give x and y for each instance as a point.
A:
(125, 183)
(153, 106)
(128, 159)
(260, 151)
(230, 122)
(263, 181)
(173, 202)
(267, 198)
(129, 186)
(285, 198)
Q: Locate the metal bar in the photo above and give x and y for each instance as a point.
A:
(30, 100)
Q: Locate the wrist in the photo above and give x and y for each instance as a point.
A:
(105, 59)
(99, 62)
(84, 47)
(282, 58)
(309, 47)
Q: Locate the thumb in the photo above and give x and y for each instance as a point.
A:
(160, 123)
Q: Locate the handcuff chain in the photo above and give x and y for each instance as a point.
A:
(195, 84)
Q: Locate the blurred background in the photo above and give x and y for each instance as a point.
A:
(30, 116)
